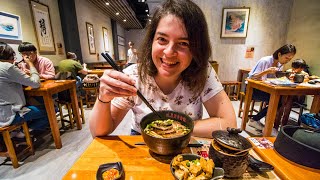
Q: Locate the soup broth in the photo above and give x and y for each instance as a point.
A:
(166, 129)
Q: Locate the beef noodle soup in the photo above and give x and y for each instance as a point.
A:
(166, 129)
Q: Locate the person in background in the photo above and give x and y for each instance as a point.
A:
(43, 65)
(72, 65)
(297, 67)
(13, 106)
(132, 54)
(174, 73)
(265, 68)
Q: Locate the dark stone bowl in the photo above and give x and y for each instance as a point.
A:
(280, 74)
(233, 165)
(167, 146)
(298, 78)
(295, 150)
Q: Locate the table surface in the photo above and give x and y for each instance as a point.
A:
(275, 93)
(137, 160)
(46, 90)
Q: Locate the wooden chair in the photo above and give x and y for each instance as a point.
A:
(68, 105)
(90, 95)
(232, 89)
(252, 104)
(11, 153)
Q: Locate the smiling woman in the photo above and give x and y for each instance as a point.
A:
(173, 74)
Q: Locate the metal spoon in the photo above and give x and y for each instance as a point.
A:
(115, 67)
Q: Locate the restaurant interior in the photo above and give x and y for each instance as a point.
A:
(91, 27)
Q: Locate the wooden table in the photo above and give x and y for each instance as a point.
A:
(275, 93)
(46, 90)
(137, 161)
(283, 167)
(99, 72)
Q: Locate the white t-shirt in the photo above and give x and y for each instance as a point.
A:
(133, 58)
(179, 100)
(263, 64)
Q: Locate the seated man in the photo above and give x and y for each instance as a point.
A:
(72, 65)
(13, 106)
(43, 65)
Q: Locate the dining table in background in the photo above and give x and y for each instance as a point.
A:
(138, 162)
(275, 93)
(99, 72)
(46, 90)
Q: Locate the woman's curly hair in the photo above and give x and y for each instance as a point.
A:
(195, 23)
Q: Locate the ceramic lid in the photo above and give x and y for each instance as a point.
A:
(231, 139)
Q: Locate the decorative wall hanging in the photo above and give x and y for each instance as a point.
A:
(105, 39)
(91, 42)
(122, 52)
(43, 27)
(10, 27)
(235, 22)
(121, 41)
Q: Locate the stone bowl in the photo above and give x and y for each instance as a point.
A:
(167, 146)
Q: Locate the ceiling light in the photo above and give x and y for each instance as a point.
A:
(149, 20)
(124, 20)
(107, 3)
(117, 13)
(148, 15)
(147, 10)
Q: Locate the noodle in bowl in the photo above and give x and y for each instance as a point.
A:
(165, 144)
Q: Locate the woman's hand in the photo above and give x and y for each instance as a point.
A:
(115, 84)
(292, 75)
(272, 70)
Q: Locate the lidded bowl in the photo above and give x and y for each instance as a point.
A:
(230, 151)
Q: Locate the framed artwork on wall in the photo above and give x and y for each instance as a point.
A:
(105, 39)
(43, 27)
(90, 34)
(122, 52)
(10, 27)
(121, 41)
(235, 22)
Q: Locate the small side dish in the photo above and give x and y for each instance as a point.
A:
(111, 174)
(110, 171)
(192, 167)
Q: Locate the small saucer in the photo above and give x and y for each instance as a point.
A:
(107, 166)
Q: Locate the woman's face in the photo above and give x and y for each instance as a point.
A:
(285, 58)
(170, 48)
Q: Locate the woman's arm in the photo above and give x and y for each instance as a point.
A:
(104, 117)
(258, 76)
(221, 114)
